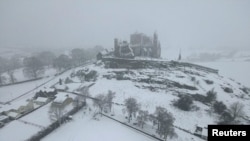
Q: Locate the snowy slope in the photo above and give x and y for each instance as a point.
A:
(164, 96)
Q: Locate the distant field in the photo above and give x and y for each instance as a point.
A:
(235, 70)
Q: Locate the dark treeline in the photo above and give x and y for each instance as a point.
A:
(34, 66)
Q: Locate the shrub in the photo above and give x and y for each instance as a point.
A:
(193, 78)
(228, 90)
(244, 89)
(209, 81)
(184, 86)
(211, 96)
(68, 80)
(91, 75)
(219, 107)
(185, 103)
(199, 97)
(226, 118)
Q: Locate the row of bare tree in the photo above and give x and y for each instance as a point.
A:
(161, 117)
(34, 66)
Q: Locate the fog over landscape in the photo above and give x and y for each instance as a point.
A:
(192, 24)
(123, 70)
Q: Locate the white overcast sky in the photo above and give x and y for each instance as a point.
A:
(84, 23)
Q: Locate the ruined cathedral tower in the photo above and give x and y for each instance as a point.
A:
(156, 47)
(140, 45)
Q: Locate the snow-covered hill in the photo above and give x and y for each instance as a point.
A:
(150, 86)
(162, 86)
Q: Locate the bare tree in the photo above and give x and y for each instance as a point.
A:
(159, 116)
(46, 57)
(56, 113)
(100, 102)
(84, 91)
(2, 70)
(132, 107)
(109, 99)
(13, 64)
(33, 67)
(142, 118)
(62, 62)
(78, 101)
(165, 123)
(11, 75)
(78, 56)
(236, 110)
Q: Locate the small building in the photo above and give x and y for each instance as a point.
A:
(4, 118)
(201, 132)
(26, 108)
(46, 92)
(61, 87)
(104, 53)
(41, 100)
(13, 114)
(62, 100)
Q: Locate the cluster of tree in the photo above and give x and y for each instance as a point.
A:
(104, 101)
(164, 121)
(34, 66)
(81, 99)
(9, 66)
(56, 113)
(229, 115)
(161, 117)
(86, 74)
(185, 103)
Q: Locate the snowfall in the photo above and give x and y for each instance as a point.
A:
(83, 126)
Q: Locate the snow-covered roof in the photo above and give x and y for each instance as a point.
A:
(60, 98)
(41, 99)
(61, 87)
(48, 89)
(3, 117)
(12, 114)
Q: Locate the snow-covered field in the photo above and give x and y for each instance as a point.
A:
(20, 76)
(83, 127)
(237, 70)
(12, 91)
(17, 131)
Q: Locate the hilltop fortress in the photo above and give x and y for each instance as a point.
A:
(140, 45)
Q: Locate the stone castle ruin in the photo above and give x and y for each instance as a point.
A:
(140, 45)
